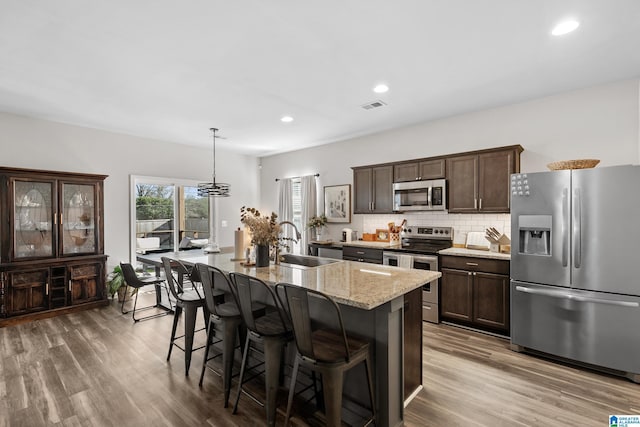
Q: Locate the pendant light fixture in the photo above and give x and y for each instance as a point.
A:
(213, 188)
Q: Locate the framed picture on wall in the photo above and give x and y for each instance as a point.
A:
(337, 203)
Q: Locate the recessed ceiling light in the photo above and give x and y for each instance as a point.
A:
(565, 27)
(286, 119)
(381, 88)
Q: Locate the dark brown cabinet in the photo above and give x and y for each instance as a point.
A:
(51, 243)
(475, 292)
(479, 182)
(417, 171)
(373, 189)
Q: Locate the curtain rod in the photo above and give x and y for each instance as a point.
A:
(316, 175)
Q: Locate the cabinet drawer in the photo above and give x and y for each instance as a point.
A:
(476, 264)
(357, 253)
(83, 271)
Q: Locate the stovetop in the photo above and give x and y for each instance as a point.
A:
(425, 239)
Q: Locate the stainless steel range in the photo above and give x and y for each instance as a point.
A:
(419, 249)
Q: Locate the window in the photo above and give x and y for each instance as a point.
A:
(296, 198)
(164, 212)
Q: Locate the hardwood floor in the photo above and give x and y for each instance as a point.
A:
(98, 368)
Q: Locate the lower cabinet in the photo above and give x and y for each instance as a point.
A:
(475, 292)
(27, 289)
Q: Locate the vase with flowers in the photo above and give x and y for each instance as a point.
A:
(265, 232)
(317, 223)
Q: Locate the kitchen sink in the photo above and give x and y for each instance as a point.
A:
(306, 261)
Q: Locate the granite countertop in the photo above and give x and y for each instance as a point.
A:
(475, 253)
(356, 284)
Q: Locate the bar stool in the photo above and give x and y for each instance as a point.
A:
(131, 279)
(226, 315)
(186, 299)
(329, 352)
(272, 330)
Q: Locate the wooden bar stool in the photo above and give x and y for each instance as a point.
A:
(329, 352)
(187, 299)
(272, 330)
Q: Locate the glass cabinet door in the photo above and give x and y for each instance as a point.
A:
(33, 227)
(78, 214)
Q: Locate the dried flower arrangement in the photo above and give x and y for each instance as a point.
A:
(265, 230)
(317, 222)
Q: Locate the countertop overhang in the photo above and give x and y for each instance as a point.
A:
(351, 283)
(476, 253)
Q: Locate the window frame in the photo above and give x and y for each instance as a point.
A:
(135, 180)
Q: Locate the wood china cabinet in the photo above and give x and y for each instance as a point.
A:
(51, 243)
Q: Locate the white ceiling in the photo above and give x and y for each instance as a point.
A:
(170, 70)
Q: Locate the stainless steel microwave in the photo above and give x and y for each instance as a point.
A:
(429, 195)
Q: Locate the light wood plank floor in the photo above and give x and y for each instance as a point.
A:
(98, 368)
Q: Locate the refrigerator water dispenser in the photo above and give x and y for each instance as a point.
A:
(535, 234)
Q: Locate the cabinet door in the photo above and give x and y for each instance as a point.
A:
(491, 300)
(462, 173)
(362, 179)
(432, 169)
(33, 218)
(79, 216)
(412, 341)
(406, 172)
(456, 293)
(494, 172)
(27, 291)
(85, 282)
(382, 189)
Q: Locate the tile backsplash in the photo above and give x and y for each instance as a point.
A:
(461, 223)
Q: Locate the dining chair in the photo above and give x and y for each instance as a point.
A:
(326, 350)
(187, 298)
(132, 280)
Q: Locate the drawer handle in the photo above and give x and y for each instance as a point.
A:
(473, 263)
(426, 307)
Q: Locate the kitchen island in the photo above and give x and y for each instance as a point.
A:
(371, 299)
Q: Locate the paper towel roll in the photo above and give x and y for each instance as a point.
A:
(239, 245)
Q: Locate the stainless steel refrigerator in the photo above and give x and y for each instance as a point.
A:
(575, 265)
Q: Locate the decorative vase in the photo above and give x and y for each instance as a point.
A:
(262, 255)
(318, 231)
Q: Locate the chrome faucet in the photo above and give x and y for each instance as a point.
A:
(298, 237)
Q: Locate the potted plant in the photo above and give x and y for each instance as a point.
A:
(116, 283)
(317, 223)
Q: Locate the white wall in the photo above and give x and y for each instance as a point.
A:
(599, 122)
(39, 144)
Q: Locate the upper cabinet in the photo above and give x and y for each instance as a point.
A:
(52, 217)
(373, 189)
(479, 182)
(418, 171)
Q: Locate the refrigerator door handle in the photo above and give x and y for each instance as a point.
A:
(579, 298)
(565, 227)
(577, 232)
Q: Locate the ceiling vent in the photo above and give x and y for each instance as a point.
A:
(374, 104)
